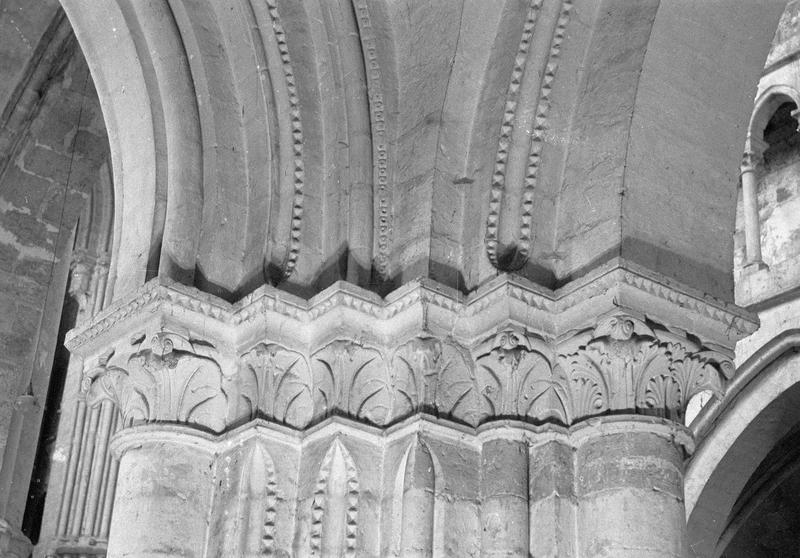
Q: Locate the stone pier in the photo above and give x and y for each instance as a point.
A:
(508, 423)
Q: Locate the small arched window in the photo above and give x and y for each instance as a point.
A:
(781, 138)
(773, 142)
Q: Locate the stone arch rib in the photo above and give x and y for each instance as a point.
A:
(522, 131)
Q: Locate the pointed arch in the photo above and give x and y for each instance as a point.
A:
(417, 514)
(250, 530)
(335, 505)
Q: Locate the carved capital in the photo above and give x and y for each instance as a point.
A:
(164, 377)
(750, 160)
(627, 367)
(754, 149)
(623, 365)
(518, 379)
(438, 376)
(353, 380)
(275, 383)
(507, 352)
(80, 279)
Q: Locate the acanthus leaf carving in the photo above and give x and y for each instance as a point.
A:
(542, 392)
(628, 367)
(354, 380)
(586, 383)
(416, 369)
(113, 383)
(438, 376)
(667, 385)
(622, 366)
(658, 388)
(275, 382)
(167, 381)
(519, 381)
(459, 393)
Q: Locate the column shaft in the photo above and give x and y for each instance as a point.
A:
(552, 499)
(630, 492)
(752, 228)
(504, 509)
(164, 491)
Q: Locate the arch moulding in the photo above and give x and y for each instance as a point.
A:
(735, 433)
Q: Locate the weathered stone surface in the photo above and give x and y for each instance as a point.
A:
(388, 278)
(45, 100)
(291, 365)
(285, 364)
(159, 477)
(536, 136)
(736, 480)
(24, 26)
(440, 493)
(786, 41)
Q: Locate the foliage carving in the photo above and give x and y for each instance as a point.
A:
(166, 378)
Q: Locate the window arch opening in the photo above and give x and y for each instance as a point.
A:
(782, 138)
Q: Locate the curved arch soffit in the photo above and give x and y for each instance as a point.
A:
(721, 431)
(108, 46)
(765, 106)
(152, 80)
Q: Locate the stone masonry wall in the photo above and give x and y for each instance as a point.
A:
(21, 27)
(46, 176)
(779, 205)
